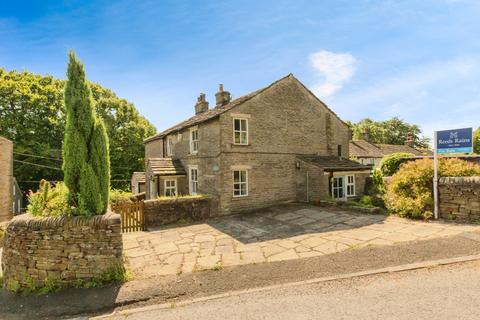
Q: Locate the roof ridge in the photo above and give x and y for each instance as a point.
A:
(234, 103)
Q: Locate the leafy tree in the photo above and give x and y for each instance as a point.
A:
(86, 163)
(476, 141)
(392, 131)
(32, 114)
(391, 163)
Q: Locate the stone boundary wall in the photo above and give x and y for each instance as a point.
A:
(160, 211)
(62, 249)
(459, 198)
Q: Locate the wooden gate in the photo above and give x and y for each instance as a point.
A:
(132, 215)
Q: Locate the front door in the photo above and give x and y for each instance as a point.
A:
(338, 187)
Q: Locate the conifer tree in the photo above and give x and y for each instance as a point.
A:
(86, 163)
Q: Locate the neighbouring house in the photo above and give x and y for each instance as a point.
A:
(6, 179)
(138, 182)
(372, 154)
(276, 144)
(17, 198)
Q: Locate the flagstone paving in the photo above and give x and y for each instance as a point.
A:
(281, 233)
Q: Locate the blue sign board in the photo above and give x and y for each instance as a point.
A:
(454, 141)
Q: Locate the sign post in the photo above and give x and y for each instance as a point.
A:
(446, 142)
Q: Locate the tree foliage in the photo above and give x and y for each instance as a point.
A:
(86, 163)
(476, 141)
(32, 114)
(391, 163)
(392, 131)
(410, 190)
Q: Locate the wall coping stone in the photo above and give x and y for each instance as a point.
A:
(40, 223)
(459, 180)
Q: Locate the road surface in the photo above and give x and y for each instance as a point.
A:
(448, 292)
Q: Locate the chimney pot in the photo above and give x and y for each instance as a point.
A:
(202, 104)
(222, 97)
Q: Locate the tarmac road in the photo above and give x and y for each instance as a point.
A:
(446, 292)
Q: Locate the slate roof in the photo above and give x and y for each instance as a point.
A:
(216, 111)
(331, 163)
(365, 149)
(165, 167)
(138, 176)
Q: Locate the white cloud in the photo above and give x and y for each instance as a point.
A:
(334, 70)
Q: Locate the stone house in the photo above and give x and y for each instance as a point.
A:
(372, 154)
(6, 179)
(138, 182)
(276, 144)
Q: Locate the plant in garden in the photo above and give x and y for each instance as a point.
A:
(476, 141)
(86, 163)
(49, 200)
(119, 196)
(410, 191)
(391, 163)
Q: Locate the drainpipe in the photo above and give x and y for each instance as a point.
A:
(308, 195)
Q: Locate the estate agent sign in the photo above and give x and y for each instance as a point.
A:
(454, 141)
(449, 141)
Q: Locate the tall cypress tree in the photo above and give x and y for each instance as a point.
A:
(86, 163)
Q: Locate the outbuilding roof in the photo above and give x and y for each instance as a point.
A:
(138, 176)
(365, 149)
(165, 167)
(331, 163)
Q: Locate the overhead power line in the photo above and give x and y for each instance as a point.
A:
(37, 165)
(35, 156)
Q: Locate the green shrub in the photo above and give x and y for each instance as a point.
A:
(378, 183)
(49, 200)
(391, 163)
(119, 196)
(410, 191)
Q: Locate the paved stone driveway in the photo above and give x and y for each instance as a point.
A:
(288, 232)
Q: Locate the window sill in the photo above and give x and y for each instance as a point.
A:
(234, 198)
(241, 144)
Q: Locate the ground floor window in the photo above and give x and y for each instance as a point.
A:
(240, 183)
(343, 186)
(337, 187)
(350, 185)
(193, 180)
(170, 188)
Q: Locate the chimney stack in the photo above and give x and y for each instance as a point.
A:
(366, 135)
(202, 104)
(222, 97)
(410, 141)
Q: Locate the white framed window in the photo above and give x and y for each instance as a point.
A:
(194, 141)
(170, 188)
(240, 183)
(169, 146)
(350, 185)
(193, 180)
(240, 131)
(338, 187)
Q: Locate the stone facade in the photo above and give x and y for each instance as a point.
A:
(64, 249)
(6, 179)
(161, 212)
(459, 198)
(284, 120)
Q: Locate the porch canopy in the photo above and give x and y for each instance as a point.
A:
(165, 167)
(334, 164)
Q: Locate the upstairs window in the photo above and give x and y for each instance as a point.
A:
(169, 146)
(194, 141)
(240, 131)
(240, 183)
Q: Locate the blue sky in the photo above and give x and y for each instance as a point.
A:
(419, 60)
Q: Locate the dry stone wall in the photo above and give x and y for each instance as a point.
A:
(161, 212)
(61, 249)
(459, 198)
